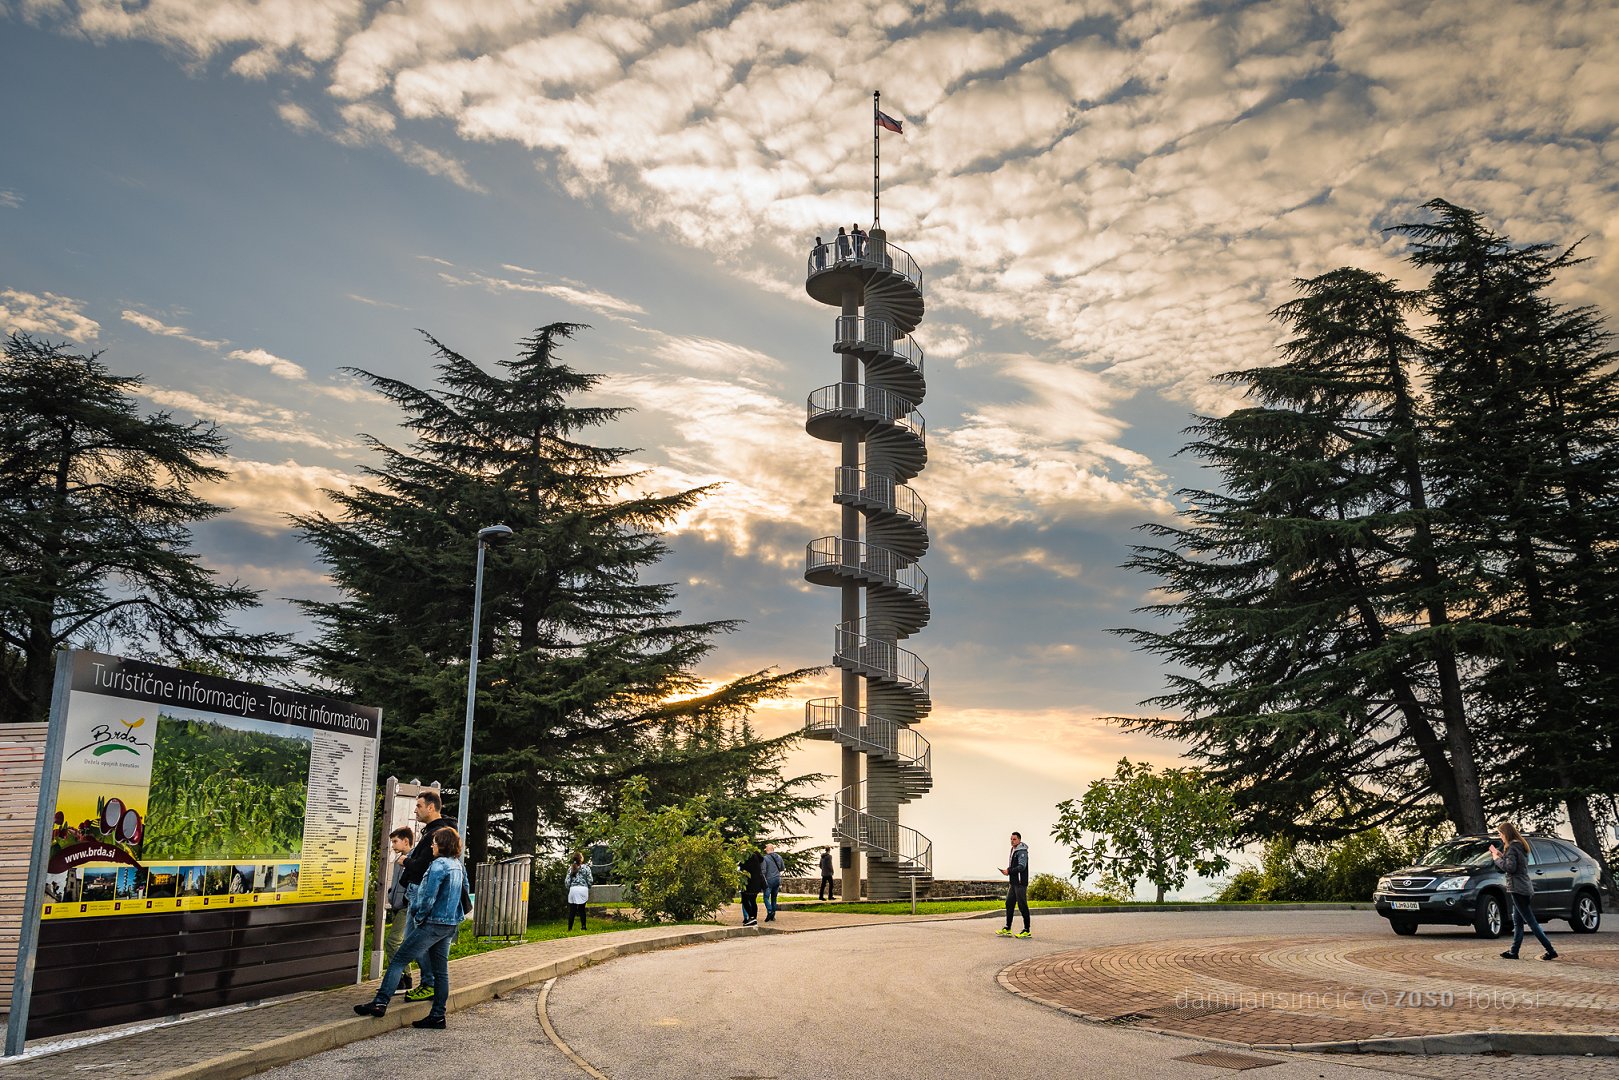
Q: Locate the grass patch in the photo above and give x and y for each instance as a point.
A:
(467, 945)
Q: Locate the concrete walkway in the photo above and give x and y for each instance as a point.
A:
(240, 1042)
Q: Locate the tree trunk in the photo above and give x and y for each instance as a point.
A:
(525, 820)
(1469, 815)
(1160, 899)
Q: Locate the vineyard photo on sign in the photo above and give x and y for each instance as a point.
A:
(181, 791)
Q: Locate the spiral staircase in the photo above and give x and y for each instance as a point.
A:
(871, 413)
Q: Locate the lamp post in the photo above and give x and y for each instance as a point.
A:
(493, 534)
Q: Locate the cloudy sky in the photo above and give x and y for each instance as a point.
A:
(237, 198)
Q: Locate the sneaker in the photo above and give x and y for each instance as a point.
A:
(421, 993)
(429, 1022)
(1509, 955)
(1023, 933)
(750, 922)
(1548, 956)
(1005, 931)
(371, 1008)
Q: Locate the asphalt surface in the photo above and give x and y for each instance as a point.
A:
(902, 1001)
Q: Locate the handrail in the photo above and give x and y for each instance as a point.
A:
(906, 743)
(859, 330)
(869, 560)
(896, 663)
(874, 400)
(890, 838)
(862, 251)
(853, 483)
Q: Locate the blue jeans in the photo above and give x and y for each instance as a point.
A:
(429, 945)
(1523, 911)
(771, 892)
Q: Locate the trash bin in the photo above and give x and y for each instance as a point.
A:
(501, 908)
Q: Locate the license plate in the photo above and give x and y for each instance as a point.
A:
(1405, 905)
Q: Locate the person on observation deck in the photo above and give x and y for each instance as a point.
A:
(843, 245)
(859, 243)
(820, 254)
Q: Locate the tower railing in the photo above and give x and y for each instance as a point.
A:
(871, 400)
(867, 560)
(884, 657)
(834, 255)
(912, 850)
(868, 732)
(858, 331)
(854, 483)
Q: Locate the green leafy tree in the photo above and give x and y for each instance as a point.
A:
(1141, 823)
(96, 504)
(586, 672)
(674, 861)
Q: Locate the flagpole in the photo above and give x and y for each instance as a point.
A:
(876, 164)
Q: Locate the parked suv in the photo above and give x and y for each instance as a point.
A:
(1457, 883)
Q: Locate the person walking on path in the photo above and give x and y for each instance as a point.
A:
(400, 841)
(1512, 859)
(826, 875)
(1017, 886)
(438, 906)
(774, 866)
(430, 812)
(753, 867)
(578, 883)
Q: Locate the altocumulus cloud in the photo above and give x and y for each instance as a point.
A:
(1132, 183)
(46, 314)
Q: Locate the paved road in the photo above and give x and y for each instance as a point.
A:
(904, 1001)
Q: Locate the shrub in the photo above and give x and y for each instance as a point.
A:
(1341, 870)
(674, 862)
(1052, 887)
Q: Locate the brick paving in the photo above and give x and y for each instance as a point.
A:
(1267, 991)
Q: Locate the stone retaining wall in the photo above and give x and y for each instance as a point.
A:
(941, 888)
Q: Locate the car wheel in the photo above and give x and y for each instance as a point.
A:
(1587, 915)
(1490, 919)
(1403, 927)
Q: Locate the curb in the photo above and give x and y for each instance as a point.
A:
(245, 1061)
(1125, 909)
(1470, 1042)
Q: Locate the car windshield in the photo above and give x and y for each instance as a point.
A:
(1463, 852)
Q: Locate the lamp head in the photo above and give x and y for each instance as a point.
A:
(495, 534)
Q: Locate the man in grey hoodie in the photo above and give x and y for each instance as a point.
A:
(1017, 886)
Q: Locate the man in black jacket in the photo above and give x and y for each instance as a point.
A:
(826, 874)
(1017, 886)
(429, 811)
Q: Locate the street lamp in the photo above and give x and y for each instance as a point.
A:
(492, 535)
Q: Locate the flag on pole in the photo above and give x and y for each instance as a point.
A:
(886, 121)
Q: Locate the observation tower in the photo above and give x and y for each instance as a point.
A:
(870, 413)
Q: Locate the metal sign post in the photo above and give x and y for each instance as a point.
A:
(44, 822)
